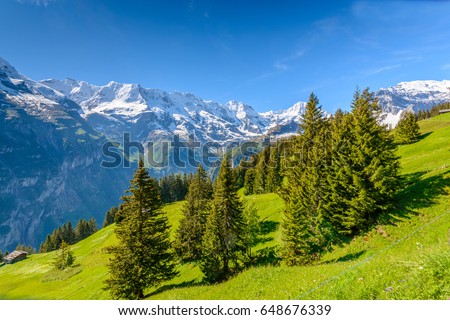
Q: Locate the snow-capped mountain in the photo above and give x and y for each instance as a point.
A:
(50, 160)
(413, 95)
(53, 133)
(116, 108)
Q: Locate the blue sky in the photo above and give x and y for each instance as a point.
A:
(269, 54)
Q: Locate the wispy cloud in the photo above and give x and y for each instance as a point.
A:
(374, 71)
(327, 25)
(364, 9)
(446, 66)
(279, 66)
(284, 63)
(38, 3)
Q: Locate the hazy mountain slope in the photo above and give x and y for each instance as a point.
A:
(413, 95)
(49, 162)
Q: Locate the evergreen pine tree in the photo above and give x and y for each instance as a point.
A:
(28, 248)
(144, 257)
(47, 246)
(81, 230)
(64, 257)
(239, 173)
(223, 243)
(249, 181)
(340, 178)
(407, 130)
(259, 186)
(252, 227)
(365, 169)
(110, 216)
(273, 178)
(189, 235)
(307, 231)
(375, 163)
(56, 239)
(67, 233)
(93, 228)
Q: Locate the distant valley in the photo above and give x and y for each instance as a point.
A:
(52, 134)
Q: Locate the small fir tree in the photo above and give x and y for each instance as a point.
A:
(252, 229)
(143, 257)
(110, 216)
(249, 181)
(407, 130)
(64, 257)
(273, 179)
(261, 173)
(189, 235)
(224, 243)
(307, 231)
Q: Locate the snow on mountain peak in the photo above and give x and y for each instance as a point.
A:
(8, 71)
(154, 110)
(285, 117)
(117, 107)
(414, 95)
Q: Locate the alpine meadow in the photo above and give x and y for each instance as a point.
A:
(225, 159)
(400, 254)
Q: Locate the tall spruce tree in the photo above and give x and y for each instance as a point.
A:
(365, 167)
(252, 228)
(261, 172)
(407, 130)
(249, 181)
(340, 178)
(307, 231)
(273, 178)
(68, 233)
(189, 235)
(224, 243)
(110, 216)
(143, 257)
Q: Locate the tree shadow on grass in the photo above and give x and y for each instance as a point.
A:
(185, 284)
(266, 227)
(417, 193)
(266, 256)
(424, 135)
(345, 258)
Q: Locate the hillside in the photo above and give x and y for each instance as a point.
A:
(406, 256)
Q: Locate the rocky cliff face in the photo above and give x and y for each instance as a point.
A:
(413, 95)
(52, 135)
(49, 162)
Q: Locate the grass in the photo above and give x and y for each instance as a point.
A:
(406, 256)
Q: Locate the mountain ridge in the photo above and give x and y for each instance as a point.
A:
(174, 112)
(53, 132)
(412, 96)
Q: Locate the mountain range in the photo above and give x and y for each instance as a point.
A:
(412, 96)
(53, 133)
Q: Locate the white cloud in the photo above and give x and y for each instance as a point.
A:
(283, 64)
(39, 3)
(381, 69)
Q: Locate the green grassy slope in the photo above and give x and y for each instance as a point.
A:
(406, 256)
